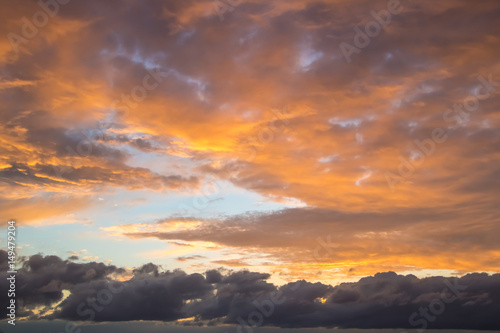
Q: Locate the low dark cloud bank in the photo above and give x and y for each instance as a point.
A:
(385, 300)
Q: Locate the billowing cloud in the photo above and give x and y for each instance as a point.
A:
(385, 300)
(41, 280)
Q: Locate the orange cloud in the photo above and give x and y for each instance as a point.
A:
(266, 101)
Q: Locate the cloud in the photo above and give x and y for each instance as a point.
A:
(15, 83)
(216, 100)
(385, 300)
(32, 210)
(193, 257)
(340, 243)
(42, 279)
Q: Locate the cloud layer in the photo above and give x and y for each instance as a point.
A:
(219, 82)
(385, 300)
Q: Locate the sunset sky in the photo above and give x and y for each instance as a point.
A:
(316, 140)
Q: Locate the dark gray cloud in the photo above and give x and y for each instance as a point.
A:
(41, 280)
(385, 300)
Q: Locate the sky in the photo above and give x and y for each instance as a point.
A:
(211, 154)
